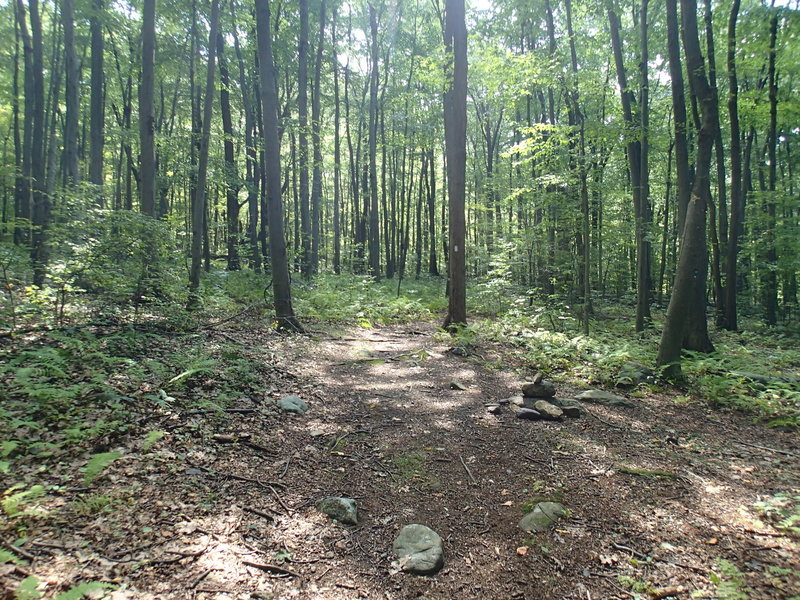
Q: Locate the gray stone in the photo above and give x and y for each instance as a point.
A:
(543, 516)
(541, 389)
(529, 414)
(419, 550)
(293, 404)
(548, 411)
(514, 400)
(494, 409)
(604, 398)
(571, 407)
(632, 374)
(341, 509)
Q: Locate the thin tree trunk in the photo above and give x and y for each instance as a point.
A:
(737, 196)
(97, 101)
(147, 168)
(769, 282)
(72, 98)
(41, 206)
(374, 233)
(316, 124)
(337, 154)
(231, 175)
(199, 216)
(302, 116)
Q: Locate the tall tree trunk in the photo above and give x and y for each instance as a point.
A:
(22, 206)
(634, 154)
(737, 196)
(302, 115)
(281, 286)
(199, 226)
(684, 178)
(41, 206)
(433, 263)
(72, 98)
(337, 154)
(147, 168)
(455, 127)
(690, 277)
(97, 101)
(316, 124)
(769, 281)
(374, 233)
(231, 175)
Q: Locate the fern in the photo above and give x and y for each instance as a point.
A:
(10, 557)
(13, 505)
(204, 366)
(27, 589)
(96, 464)
(82, 590)
(152, 438)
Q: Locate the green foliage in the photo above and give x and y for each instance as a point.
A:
(27, 589)
(19, 502)
(92, 504)
(783, 510)
(7, 556)
(97, 464)
(729, 581)
(83, 590)
(152, 438)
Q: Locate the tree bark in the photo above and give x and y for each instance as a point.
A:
(737, 195)
(72, 98)
(455, 126)
(231, 175)
(374, 232)
(41, 206)
(690, 277)
(97, 101)
(316, 124)
(147, 168)
(199, 227)
(337, 154)
(281, 286)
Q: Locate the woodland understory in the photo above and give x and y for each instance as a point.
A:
(398, 212)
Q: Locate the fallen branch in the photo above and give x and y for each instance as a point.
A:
(466, 468)
(271, 568)
(259, 513)
(768, 449)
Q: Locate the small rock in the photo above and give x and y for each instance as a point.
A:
(548, 411)
(632, 374)
(419, 550)
(542, 389)
(494, 409)
(513, 400)
(293, 404)
(604, 398)
(538, 378)
(341, 509)
(317, 433)
(457, 385)
(573, 412)
(543, 516)
(528, 414)
(194, 471)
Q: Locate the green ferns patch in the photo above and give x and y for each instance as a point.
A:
(97, 464)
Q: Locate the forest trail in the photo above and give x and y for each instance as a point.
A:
(661, 497)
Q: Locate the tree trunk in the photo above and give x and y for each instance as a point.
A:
(316, 124)
(97, 101)
(374, 233)
(231, 176)
(281, 287)
(147, 168)
(690, 277)
(737, 195)
(199, 226)
(769, 281)
(72, 98)
(337, 154)
(455, 126)
(41, 206)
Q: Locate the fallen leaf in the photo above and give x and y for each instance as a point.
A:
(509, 503)
(522, 550)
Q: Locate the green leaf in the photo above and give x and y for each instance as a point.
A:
(10, 557)
(27, 589)
(96, 464)
(82, 590)
(152, 438)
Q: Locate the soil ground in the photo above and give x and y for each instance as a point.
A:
(661, 497)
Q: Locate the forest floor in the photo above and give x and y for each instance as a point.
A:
(667, 499)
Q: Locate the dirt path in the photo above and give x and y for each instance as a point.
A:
(661, 497)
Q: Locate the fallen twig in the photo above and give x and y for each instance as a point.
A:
(776, 450)
(259, 513)
(466, 468)
(271, 568)
(22, 552)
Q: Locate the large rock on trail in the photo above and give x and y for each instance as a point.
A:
(539, 389)
(604, 398)
(543, 516)
(632, 374)
(293, 404)
(341, 509)
(419, 550)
